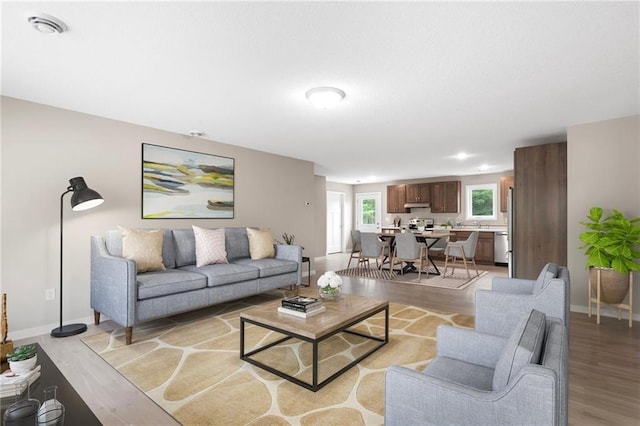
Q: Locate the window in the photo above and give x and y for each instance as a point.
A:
(482, 202)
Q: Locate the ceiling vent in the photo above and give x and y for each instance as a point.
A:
(47, 24)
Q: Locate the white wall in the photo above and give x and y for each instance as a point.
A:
(603, 170)
(43, 147)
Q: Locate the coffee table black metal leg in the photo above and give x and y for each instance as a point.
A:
(241, 338)
(315, 365)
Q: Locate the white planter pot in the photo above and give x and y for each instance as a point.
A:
(24, 366)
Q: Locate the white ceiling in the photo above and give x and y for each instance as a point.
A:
(424, 80)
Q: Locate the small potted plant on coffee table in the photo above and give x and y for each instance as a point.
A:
(23, 359)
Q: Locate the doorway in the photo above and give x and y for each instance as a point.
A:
(335, 222)
(369, 211)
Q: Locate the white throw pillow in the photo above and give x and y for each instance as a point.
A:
(260, 243)
(210, 246)
(145, 247)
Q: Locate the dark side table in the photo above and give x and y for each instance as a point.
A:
(306, 259)
(76, 412)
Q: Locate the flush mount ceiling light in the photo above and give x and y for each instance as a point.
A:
(47, 24)
(325, 97)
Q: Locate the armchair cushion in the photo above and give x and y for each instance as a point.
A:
(523, 347)
(461, 372)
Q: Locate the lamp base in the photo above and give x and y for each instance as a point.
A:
(68, 330)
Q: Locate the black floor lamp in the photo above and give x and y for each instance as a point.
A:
(83, 198)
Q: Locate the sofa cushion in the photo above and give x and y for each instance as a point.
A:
(210, 247)
(270, 267)
(548, 272)
(464, 373)
(522, 348)
(144, 247)
(224, 273)
(260, 243)
(237, 243)
(185, 243)
(171, 281)
(113, 241)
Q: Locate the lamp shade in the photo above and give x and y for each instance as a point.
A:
(83, 197)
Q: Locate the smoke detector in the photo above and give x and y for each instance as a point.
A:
(47, 24)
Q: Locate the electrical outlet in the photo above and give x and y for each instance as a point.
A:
(50, 294)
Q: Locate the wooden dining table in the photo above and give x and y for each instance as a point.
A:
(430, 238)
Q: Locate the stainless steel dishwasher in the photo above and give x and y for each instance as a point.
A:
(500, 247)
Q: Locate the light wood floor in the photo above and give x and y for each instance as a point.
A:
(604, 360)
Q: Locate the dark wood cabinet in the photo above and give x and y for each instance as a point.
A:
(418, 193)
(484, 248)
(396, 198)
(540, 208)
(445, 197)
(506, 182)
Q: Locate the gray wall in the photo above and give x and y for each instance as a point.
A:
(603, 170)
(43, 147)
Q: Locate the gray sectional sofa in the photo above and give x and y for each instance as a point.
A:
(129, 298)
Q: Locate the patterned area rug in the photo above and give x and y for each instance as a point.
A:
(190, 366)
(457, 280)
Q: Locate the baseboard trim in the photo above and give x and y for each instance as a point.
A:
(45, 329)
(605, 311)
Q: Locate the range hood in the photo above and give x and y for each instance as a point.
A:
(416, 205)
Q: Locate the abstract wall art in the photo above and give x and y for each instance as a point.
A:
(180, 184)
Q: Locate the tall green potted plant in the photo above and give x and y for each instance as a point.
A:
(611, 244)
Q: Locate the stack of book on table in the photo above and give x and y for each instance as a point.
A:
(301, 306)
(12, 385)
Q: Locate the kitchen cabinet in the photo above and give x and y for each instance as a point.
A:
(396, 197)
(484, 248)
(445, 197)
(506, 182)
(540, 208)
(418, 193)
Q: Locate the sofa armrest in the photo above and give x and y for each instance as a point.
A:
(512, 285)
(291, 252)
(470, 346)
(412, 397)
(114, 289)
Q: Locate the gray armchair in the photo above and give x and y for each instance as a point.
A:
(408, 250)
(498, 310)
(482, 379)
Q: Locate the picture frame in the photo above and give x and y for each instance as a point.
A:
(182, 184)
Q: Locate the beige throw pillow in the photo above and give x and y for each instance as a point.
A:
(145, 247)
(260, 243)
(210, 246)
